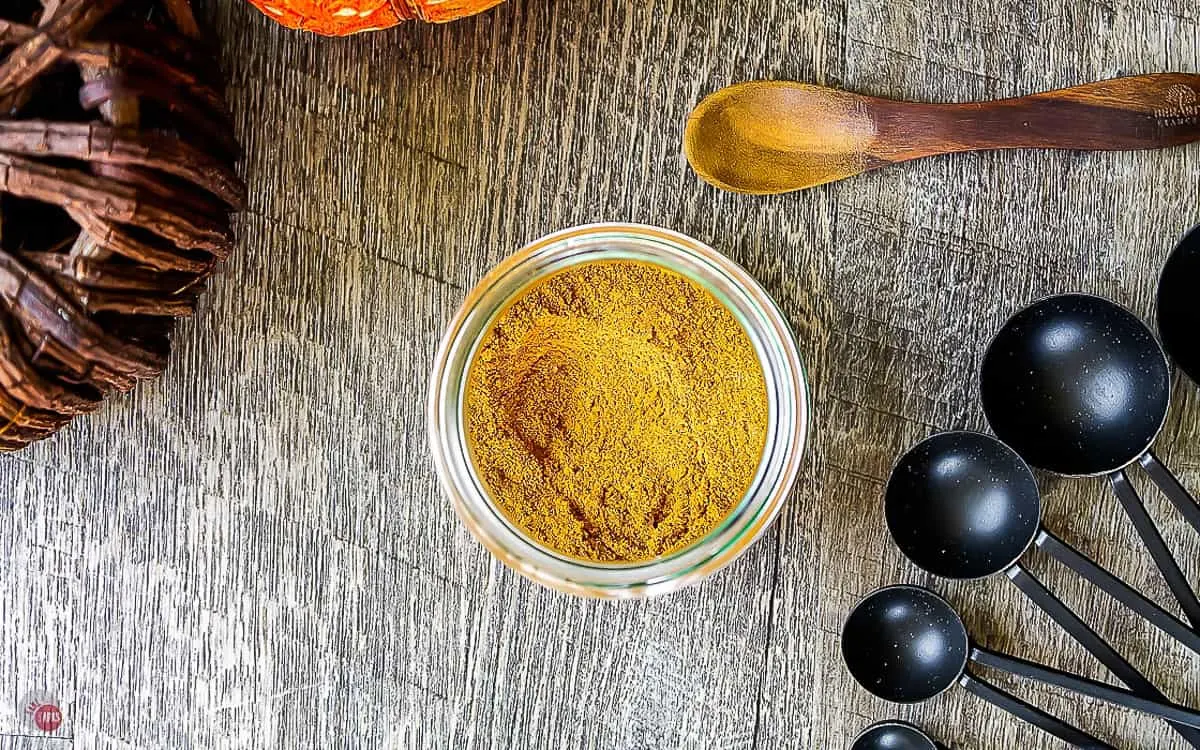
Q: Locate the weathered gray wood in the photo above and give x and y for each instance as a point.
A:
(28, 742)
(252, 551)
(928, 262)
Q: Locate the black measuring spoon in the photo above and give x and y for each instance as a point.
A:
(1178, 308)
(880, 648)
(906, 644)
(894, 735)
(1079, 386)
(963, 505)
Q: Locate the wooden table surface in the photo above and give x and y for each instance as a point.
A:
(253, 552)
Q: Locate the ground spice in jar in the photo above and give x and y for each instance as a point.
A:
(616, 411)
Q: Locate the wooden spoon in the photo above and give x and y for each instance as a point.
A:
(768, 137)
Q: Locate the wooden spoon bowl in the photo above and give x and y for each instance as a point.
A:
(766, 137)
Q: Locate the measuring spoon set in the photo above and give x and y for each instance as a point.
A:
(1078, 386)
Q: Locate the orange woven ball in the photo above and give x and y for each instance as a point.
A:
(341, 17)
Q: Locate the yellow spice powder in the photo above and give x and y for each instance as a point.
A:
(616, 411)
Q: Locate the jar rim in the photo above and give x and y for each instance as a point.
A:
(756, 312)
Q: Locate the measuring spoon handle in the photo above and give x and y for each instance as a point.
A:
(1117, 589)
(1117, 696)
(1032, 714)
(1136, 510)
(1166, 480)
(1093, 642)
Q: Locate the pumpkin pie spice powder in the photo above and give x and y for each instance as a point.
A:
(616, 412)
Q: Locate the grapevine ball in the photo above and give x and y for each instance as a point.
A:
(117, 184)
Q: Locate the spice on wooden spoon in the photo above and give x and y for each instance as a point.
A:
(766, 137)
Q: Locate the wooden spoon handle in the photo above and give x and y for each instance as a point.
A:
(1137, 112)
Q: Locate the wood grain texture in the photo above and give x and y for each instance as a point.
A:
(252, 551)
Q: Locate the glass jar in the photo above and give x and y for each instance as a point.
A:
(787, 396)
